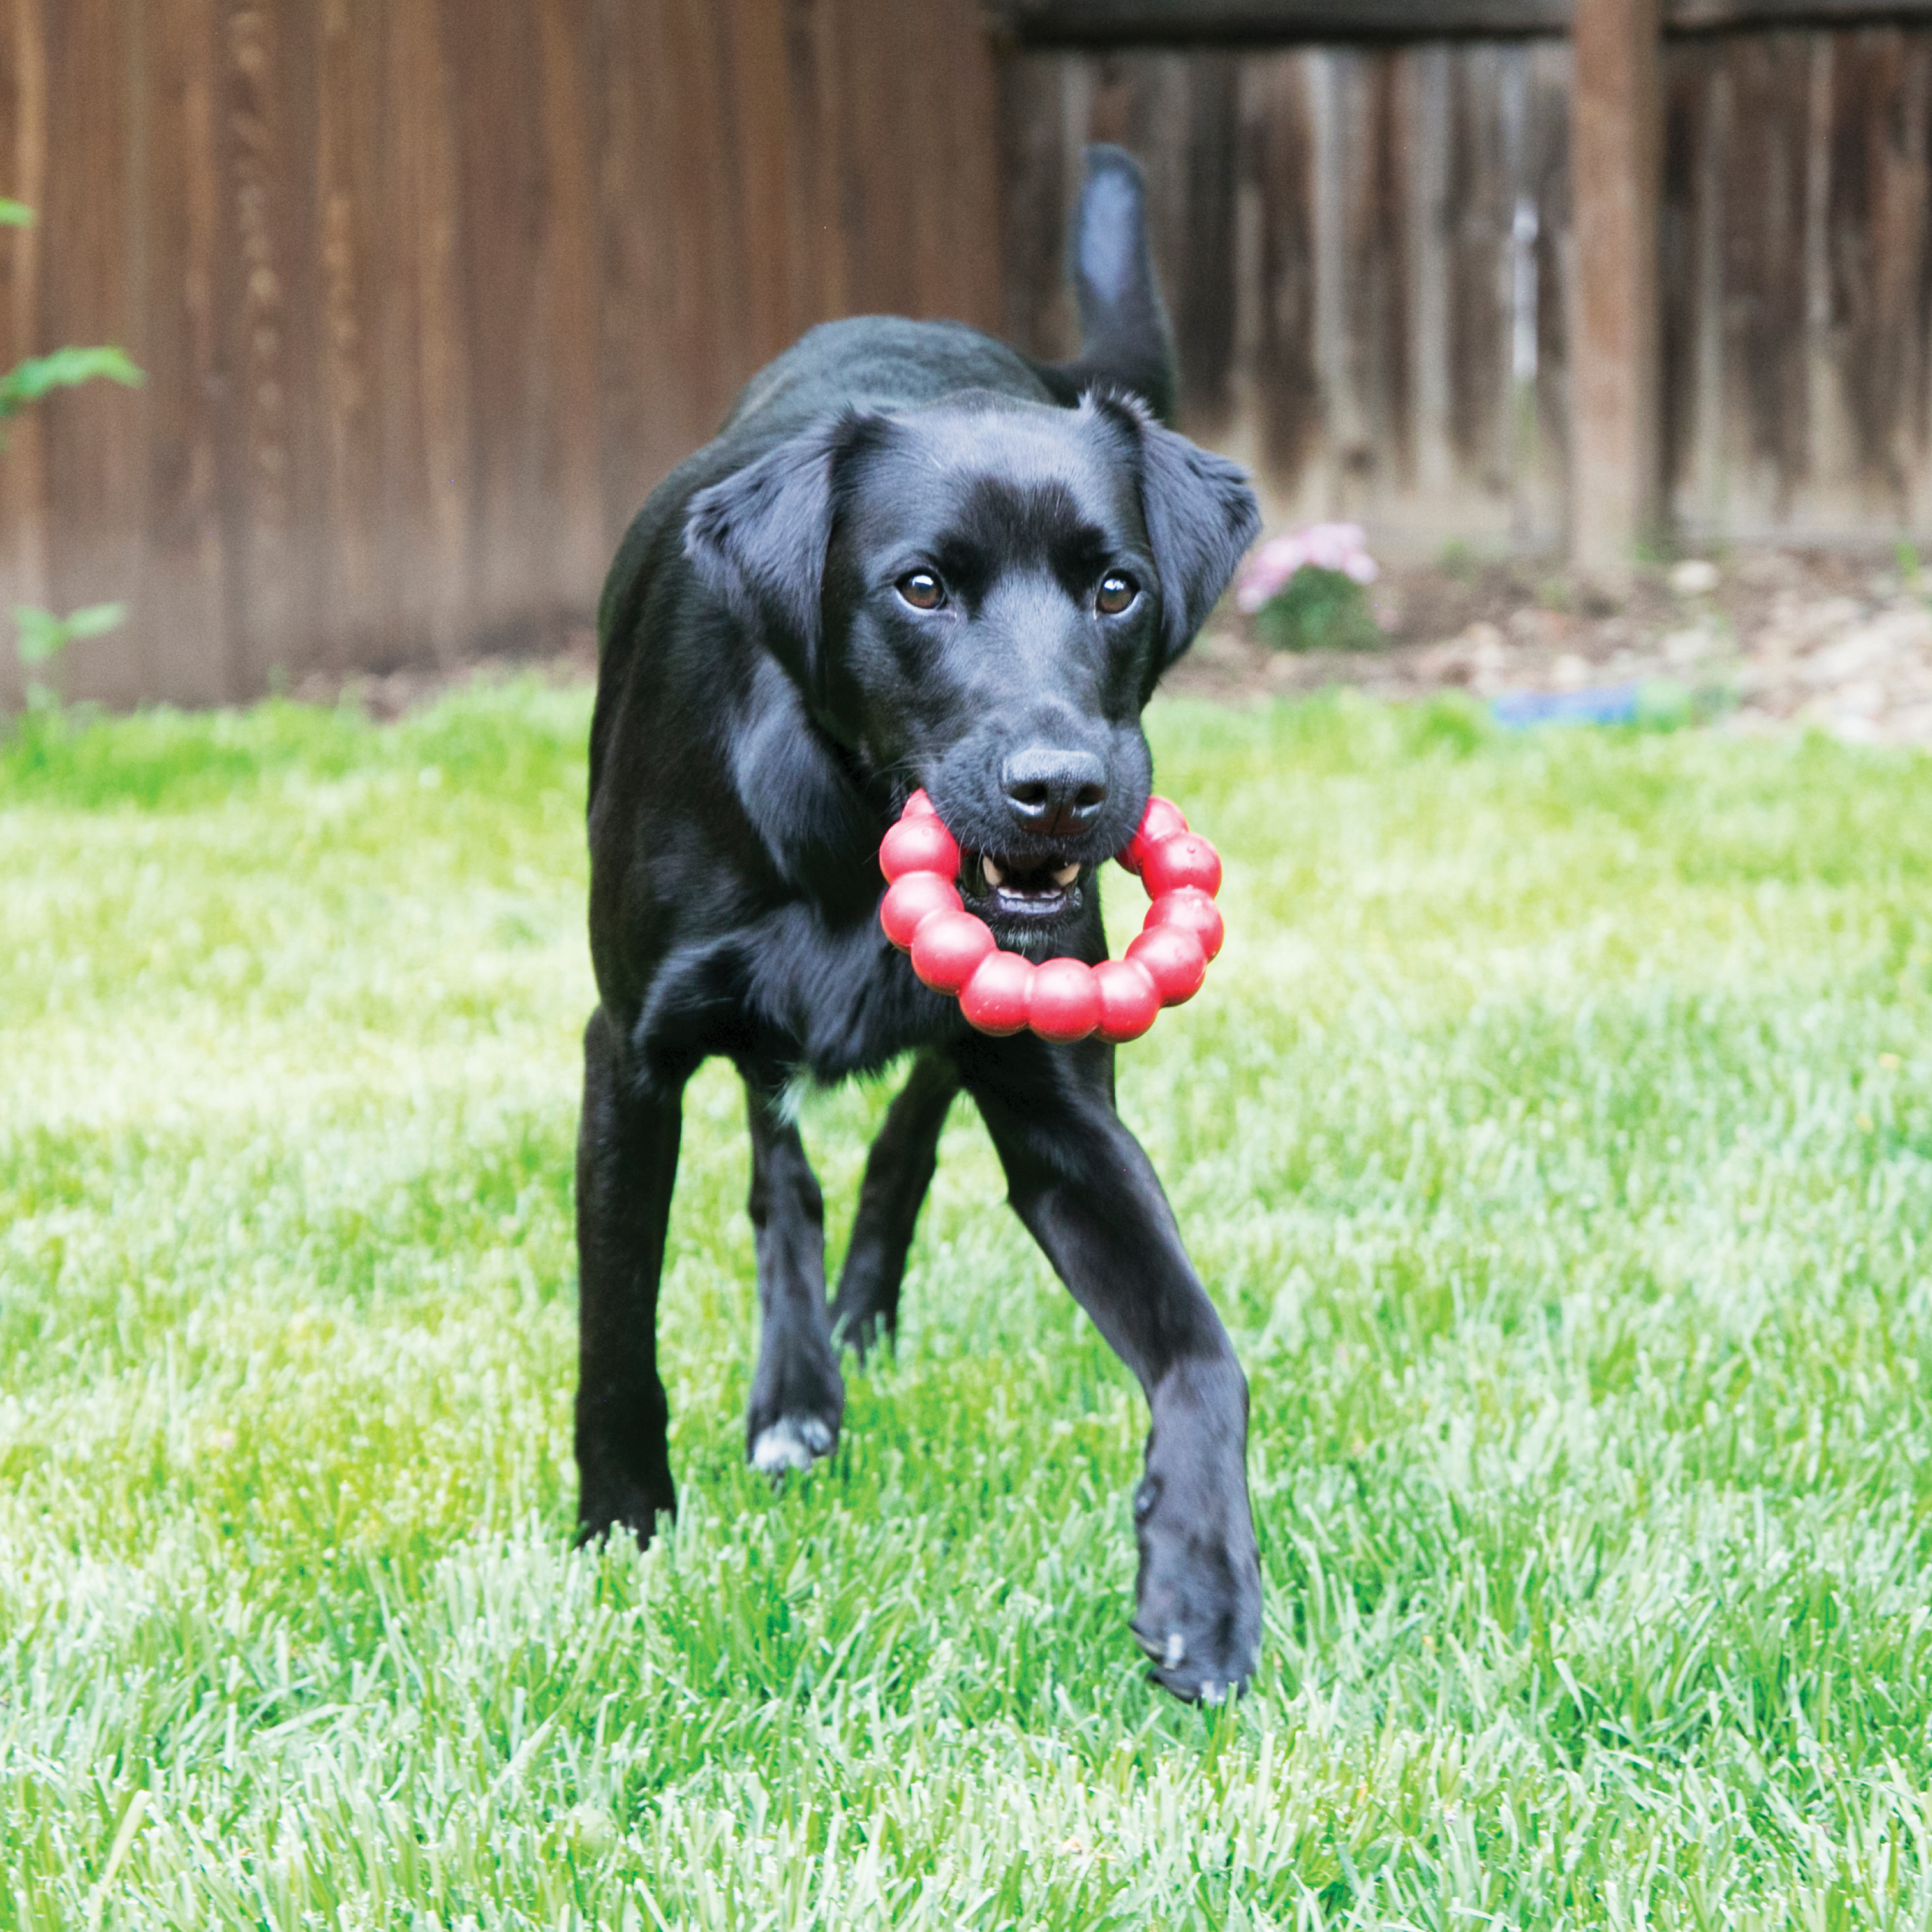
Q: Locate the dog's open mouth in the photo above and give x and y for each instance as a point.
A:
(1019, 889)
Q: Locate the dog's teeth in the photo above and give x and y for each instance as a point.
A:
(1066, 875)
(1177, 1650)
(994, 874)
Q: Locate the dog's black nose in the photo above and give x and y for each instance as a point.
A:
(1054, 793)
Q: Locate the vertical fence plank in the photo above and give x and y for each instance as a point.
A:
(874, 121)
(496, 191)
(1289, 381)
(429, 474)
(1616, 124)
(93, 486)
(771, 187)
(256, 486)
(1826, 438)
(816, 55)
(565, 482)
(349, 188)
(1341, 423)
(179, 602)
(1879, 223)
(1548, 170)
(1479, 258)
(23, 154)
(1379, 286)
(522, 150)
(1032, 152)
(1901, 277)
(1429, 214)
(635, 444)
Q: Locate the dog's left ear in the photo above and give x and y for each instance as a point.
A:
(1201, 516)
(758, 540)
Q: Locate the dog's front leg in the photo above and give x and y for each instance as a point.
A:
(626, 1168)
(1084, 1187)
(798, 1396)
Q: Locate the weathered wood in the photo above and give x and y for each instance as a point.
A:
(430, 295)
(1702, 16)
(1427, 214)
(23, 151)
(1095, 23)
(1547, 183)
(179, 613)
(1105, 23)
(356, 296)
(430, 298)
(1614, 135)
(93, 551)
(1796, 304)
(1366, 285)
(1287, 380)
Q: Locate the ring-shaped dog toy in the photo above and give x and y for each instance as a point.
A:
(953, 951)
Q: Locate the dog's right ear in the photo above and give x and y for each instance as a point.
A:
(758, 540)
(1200, 516)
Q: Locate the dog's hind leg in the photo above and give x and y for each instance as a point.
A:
(797, 1394)
(626, 1167)
(898, 1171)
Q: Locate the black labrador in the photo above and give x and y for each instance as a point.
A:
(912, 557)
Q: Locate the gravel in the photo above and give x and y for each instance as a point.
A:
(1759, 640)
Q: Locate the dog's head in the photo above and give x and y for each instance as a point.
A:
(978, 598)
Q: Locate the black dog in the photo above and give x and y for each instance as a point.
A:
(912, 557)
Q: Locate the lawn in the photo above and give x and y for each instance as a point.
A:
(1555, 1134)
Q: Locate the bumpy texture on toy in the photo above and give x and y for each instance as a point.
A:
(1000, 992)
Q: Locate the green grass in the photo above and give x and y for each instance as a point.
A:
(1555, 1134)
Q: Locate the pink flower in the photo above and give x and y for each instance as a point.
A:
(1267, 571)
(1338, 547)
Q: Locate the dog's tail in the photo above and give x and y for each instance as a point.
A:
(1125, 342)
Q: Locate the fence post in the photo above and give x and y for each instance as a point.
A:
(1616, 137)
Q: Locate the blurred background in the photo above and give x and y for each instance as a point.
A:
(429, 293)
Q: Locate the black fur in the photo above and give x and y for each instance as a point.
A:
(768, 697)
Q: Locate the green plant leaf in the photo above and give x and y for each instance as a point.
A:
(43, 635)
(1319, 610)
(15, 214)
(27, 382)
(96, 620)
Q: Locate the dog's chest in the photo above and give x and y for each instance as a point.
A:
(842, 999)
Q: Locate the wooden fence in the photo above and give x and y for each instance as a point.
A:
(430, 291)
(1370, 258)
(1339, 234)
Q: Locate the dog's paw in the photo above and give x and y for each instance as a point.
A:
(862, 1322)
(1198, 1598)
(618, 1508)
(797, 1402)
(792, 1442)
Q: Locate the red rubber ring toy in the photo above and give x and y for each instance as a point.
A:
(1000, 992)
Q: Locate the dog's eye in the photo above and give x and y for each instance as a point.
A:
(1117, 590)
(922, 590)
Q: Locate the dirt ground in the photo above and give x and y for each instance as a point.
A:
(1760, 640)
(1757, 639)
